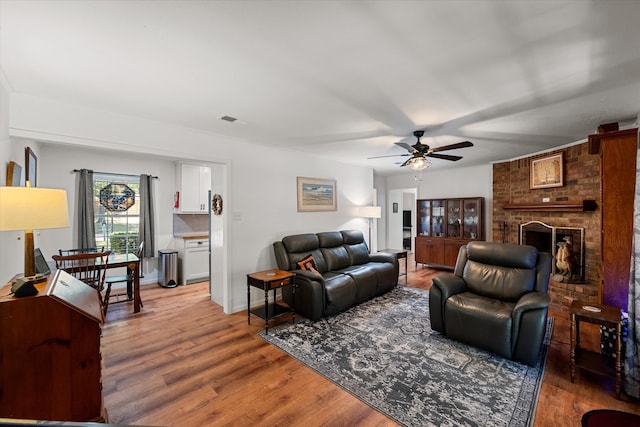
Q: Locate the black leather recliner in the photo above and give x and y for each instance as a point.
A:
(496, 299)
(346, 273)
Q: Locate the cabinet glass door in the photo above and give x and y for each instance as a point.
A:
(424, 218)
(437, 218)
(471, 213)
(453, 218)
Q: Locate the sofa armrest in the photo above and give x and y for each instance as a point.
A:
(383, 257)
(310, 298)
(443, 286)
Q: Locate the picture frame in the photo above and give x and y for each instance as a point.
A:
(316, 194)
(547, 172)
(14, 174)
(31, 170)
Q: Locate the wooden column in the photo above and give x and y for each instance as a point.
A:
(618, 151)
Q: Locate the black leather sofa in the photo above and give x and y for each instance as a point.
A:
(345, 273)
(496, 299)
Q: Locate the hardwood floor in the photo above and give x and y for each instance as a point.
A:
(182, 362)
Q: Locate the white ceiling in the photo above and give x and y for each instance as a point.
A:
(344, 79)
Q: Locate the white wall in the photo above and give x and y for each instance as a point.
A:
(473, 181)
(11, 249)
(259, 209)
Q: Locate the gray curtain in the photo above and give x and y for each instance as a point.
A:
(147, 216)
(632, 352)
(86, 230)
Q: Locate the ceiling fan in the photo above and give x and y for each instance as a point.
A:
(419, 152)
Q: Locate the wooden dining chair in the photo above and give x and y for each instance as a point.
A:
(80, 250)
(89, 267)
(126, 278)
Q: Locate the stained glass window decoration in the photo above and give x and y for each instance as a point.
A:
(117, 197)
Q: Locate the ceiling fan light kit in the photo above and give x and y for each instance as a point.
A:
(418, 163)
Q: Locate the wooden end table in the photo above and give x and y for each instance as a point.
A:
(603, 315)
(270, 280)
(400, 253)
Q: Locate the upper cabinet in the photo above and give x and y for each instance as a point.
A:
(194, 183)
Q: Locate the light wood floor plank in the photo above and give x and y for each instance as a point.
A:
(182, 362)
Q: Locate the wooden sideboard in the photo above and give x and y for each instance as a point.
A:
(50, 361)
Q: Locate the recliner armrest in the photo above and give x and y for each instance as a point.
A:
(531, 301)
(449, 284)
(443, 286)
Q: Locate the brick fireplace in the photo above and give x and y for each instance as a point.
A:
(567, 211)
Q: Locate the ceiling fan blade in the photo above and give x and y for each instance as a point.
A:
(462, 144)
(390, 155)
(406, 146)
(444, 157)
(405, 163)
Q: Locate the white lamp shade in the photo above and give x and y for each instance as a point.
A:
(370, 212)
(29, 208)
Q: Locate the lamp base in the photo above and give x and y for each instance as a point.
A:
(29, 254)
(23, 287)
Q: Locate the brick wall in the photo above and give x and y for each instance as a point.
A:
(581, 182)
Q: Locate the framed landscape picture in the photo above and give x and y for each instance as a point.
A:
(547, 172)
(316, 194)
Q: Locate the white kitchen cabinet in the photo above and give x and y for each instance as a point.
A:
(194, 183)
(193, 259)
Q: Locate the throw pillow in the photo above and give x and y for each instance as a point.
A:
(307, 263)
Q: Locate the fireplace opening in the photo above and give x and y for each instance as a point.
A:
(565, 244)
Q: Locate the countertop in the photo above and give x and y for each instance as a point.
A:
(192, 236)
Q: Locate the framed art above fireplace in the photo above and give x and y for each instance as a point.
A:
(547, 172)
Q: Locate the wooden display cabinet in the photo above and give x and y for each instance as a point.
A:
(444, 225)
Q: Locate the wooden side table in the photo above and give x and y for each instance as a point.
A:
(270, 280)
(603, 315)
(400, 253)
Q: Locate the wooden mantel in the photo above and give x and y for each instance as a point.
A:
(580, 206)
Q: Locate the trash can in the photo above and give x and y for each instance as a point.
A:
(168, 268)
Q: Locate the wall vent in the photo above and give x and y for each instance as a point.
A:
(228, 119)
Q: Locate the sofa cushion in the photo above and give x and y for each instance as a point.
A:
(301, 243)
(356, 247)
(358, 253)
(330, 239)
(336, 258)
(365, 280)
(340, 292)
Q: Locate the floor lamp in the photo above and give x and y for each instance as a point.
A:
(370, 212)
(28, 209)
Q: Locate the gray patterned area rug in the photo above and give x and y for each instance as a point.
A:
(385, 353)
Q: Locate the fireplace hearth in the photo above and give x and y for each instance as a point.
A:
(565, 244)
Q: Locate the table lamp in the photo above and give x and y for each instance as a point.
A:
(29, 208)
(370, 212)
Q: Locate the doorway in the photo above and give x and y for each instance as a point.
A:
(401, 208)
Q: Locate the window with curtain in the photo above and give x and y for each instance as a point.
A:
(116, 203)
